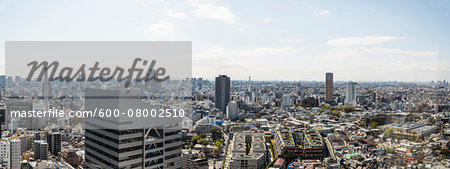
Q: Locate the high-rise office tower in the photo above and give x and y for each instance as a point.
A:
(222, 92)
(350, 97)
(329, 87)
(40, 149)
(2, 117)
(115, 143)
(249, 82)
(374, 97)
(54, 143)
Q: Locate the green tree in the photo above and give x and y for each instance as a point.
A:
(389, 131)
(218, 147)
(195, 139)
(247, 148)
(390, 150)
(374, 124)
(203, 142)
(216, 134)
(336, 113)
(348, 109)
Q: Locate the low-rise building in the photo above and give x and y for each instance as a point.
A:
(248, 151)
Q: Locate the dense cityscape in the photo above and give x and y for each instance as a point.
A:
(237, 124)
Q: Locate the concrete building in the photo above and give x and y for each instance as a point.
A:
(350, 97)
(130, 142)
(5, 153)
(54, 143)
(248, 151)
(286, 102)
(222, 92)
(16, 154)
(329, 87)
(26, 142)
(40, 149)
(306, 144)
(191, 160)
(204, 126)
(232, 110)
(411, 130)
(410, 155)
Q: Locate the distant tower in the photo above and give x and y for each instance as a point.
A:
(249, 81)
(350, 97)
(46, 89)
(222, 92)
(329, 87)
(286, 102)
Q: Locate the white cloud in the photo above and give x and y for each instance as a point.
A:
(216, 52)
(266, 63)
(399, 52)
(161, 28)
(363, 40)
(174, 14)
(267, 20)
(324, 12)
(210, 10)
(264, 51)
(295, 40)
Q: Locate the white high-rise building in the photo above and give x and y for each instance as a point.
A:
(10, 153)
(5, 153)
(286, 101)
(350, 97)
(16, 154)
(232, 110)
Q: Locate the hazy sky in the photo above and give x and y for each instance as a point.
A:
(269, 40)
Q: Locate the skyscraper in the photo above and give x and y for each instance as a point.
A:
(130, 142)
(350, 97)
(249, 82)
(222, 92)
(329, 87)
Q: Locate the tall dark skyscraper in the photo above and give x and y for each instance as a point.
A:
(222, 92)
(329, 87)
(54, 143)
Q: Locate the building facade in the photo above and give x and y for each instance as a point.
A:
(329, 87)
(350, 97)
(222, 92)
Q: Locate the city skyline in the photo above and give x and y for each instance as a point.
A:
(200, 84)
(358, 41)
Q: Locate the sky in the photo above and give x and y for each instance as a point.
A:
(289, 40)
